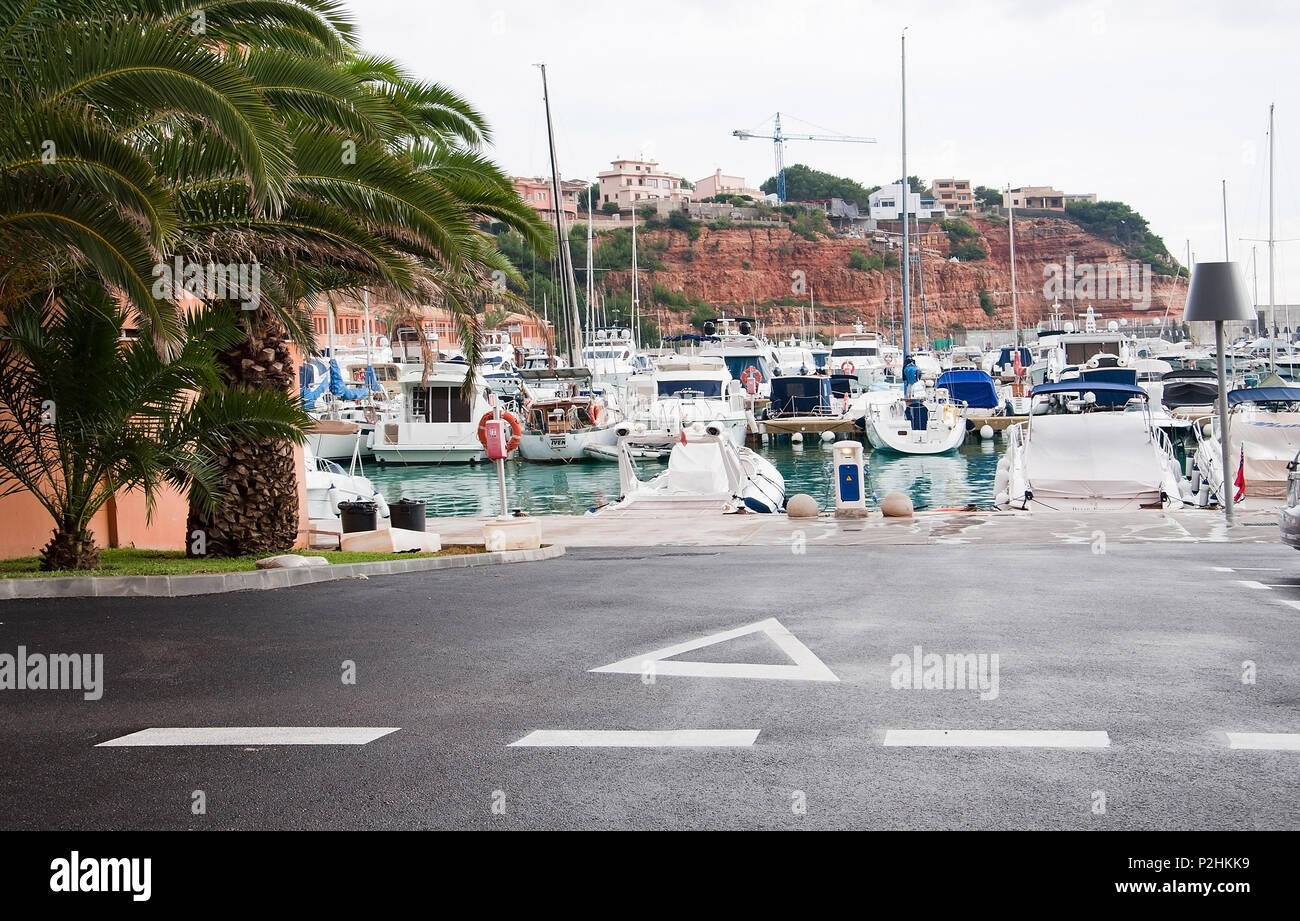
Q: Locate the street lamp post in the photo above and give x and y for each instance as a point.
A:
(1218, 294)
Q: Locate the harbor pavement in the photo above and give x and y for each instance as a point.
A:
(1112, 676)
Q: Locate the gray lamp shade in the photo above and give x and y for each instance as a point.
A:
(1217, 292)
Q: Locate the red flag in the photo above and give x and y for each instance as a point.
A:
(683, 434)
(1240, 482)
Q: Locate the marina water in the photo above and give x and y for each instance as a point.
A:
(943, 481)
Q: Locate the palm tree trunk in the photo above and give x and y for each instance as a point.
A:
(260, 511)
(72, 548)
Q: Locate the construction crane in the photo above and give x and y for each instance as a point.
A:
(778, 139)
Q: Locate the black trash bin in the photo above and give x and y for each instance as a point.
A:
(407, 514)
(361, 515)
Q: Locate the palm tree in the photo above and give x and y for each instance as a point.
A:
(118, 416)
(387, 195)
(250, 132)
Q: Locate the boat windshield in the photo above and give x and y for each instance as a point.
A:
(855, 351)
(694, 388)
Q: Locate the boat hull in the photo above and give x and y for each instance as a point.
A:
(566, 448)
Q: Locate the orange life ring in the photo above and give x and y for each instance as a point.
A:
(847, 367)
(890, 359)
(516, 429)
(359, 375)
(752, 374)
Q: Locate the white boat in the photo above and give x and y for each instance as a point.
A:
(610, 355)
(1088, 446)
(564, 416)
(706, 470)
(439, 423)
(497, 359)
(1264, 437)
(683, 391)
(866, 355)
(1289, 517)
(328, 484)
(747, 356)
(926, 421)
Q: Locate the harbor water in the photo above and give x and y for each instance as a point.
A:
(947, 481)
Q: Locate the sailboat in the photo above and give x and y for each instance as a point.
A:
(925, 420)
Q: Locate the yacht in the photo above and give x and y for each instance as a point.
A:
(440, 420)
(1088, 446)
(706, 470)
(686, 390)
(564, 416)
(747, 356)
(610, 355)
(497, 358)
(866, 355)
(1264, 437)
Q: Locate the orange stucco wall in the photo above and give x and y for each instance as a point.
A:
(25, 527)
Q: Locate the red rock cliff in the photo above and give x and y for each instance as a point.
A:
(754, 271)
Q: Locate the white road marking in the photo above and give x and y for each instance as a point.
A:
(997, 738)
(250, 735)
(807, 666)
(638, 738)
(1247, 583)
(1222, 569)
(1294, 604)
(1265, 741)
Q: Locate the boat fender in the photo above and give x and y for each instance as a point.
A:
(335, 496)
(593, 411)
(381, 503)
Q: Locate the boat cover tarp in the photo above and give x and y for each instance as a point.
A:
(1271, 441)
(1264, 395)
(800, 395)
(340, 389)
(1110, 375)
(974, 388)
(1092, 456)
(1189, 388)
(696, 468)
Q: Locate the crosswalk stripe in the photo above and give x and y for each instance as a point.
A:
(997, 738)
(1265, 741)
(249, 735)
(638, 738)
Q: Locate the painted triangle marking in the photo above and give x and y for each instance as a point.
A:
(807, 666)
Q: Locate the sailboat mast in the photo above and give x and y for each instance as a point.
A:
(907, 257)
(567, 281)
(591, 267)
(636, 286)
(1011, 233)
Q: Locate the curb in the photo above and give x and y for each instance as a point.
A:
(257, 580)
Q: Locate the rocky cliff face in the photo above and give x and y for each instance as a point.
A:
(767, 272)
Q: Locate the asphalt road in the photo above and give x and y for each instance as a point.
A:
(1145, 642)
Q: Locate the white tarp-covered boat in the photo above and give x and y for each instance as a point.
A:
(705, 469)
(1085, 458)
(1264, 433)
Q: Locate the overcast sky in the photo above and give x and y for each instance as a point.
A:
(1150, 102)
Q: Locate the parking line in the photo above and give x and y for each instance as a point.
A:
(638, 738)
(250, 735)
(1265, 741)
(997, 738)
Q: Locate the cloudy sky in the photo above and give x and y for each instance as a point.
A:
(1150, 102)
